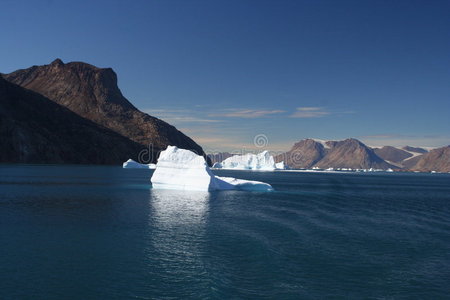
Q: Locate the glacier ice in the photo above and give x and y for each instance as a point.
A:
(182, 169)
(262, 161)
(131, 164)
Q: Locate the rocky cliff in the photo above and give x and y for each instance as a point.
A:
(93, 93)
(34, 129)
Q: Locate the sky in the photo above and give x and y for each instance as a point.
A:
(249, 74)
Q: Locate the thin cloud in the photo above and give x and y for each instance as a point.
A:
(177, 116)
(310, 112)
(248, 113)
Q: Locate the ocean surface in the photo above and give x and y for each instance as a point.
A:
(90, 232)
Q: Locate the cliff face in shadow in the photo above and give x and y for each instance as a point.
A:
(34, 129)
(93, 93)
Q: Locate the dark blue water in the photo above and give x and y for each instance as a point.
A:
(101, 233)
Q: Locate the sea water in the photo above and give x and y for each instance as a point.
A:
(90, 232)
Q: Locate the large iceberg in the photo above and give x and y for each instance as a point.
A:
(262, 161)
(182, 169)
(131, 164)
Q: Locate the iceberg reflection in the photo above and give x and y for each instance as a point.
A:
(174, 207)
(177, 221)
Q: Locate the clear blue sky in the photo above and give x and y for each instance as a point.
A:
(225, 71)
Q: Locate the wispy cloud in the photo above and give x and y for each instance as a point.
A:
(310, 112)
(247, 113)
(316, 112)
(178, 116)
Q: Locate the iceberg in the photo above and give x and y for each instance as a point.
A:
(280, 166)
(262, 161)
(131, 164)
(182, 169)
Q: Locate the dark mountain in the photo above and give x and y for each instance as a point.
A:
(34, 129)
(392, 154)
(303, 154)
(353, 154)
(415, 149)
(436, 160)
(93, 93)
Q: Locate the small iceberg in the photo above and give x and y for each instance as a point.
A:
(131, 164)
(280, 166)
(181, 169)
(262, 161)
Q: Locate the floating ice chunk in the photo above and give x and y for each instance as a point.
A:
(131, 164)
(262, 161)
(182, 169)
(241, 184)
(280, 166)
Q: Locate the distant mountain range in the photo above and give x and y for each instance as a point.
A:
(92, 94)
(353, 154)
(350, 153)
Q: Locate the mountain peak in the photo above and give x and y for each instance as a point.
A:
(79, 86)
(57, 62)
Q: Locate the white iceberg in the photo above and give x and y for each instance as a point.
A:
(131, 164)
(182, 169)
(280, 166)
(262, 161)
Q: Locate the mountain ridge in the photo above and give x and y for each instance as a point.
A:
(93, 93)
(352, 154)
